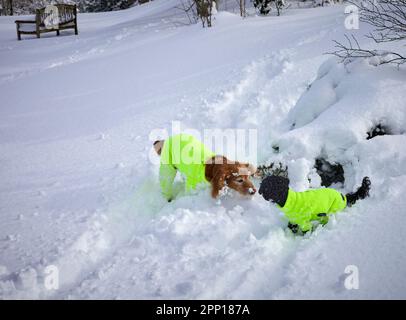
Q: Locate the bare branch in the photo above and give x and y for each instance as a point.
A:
(353, 51)
(388, 17)
(189, 8)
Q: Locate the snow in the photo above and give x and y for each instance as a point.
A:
(79, 191)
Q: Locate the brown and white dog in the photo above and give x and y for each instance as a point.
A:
(221, 172)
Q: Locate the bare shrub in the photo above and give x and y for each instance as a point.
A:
(388, 17)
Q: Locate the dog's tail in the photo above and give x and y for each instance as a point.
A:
(158, 144)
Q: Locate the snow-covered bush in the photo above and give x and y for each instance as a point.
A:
(329, 172)
(265, 6)
(28, 6)
(103, 5)
(322, 3)
(378, 130)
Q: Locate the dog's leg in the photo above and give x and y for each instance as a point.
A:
(360, 194)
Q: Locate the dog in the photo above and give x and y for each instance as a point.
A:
(184, 153)
(304, 208)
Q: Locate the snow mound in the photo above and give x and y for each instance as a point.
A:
(332, 120)
(343, 104)
(234, 248)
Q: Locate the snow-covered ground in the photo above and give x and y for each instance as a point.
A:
(78, 190)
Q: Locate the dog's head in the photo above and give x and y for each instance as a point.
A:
(221, 172)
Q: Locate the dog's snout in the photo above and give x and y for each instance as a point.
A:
(252, 191)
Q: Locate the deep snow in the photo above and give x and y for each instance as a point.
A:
(79, 191)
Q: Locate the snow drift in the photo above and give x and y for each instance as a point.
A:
(79, 192)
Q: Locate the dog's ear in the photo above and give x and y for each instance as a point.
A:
(252, 169)
(247, 169)
(217, 184)
(218, 180)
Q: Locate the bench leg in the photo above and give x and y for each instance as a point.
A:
(76, 30)
(18, 31)
(57, 33)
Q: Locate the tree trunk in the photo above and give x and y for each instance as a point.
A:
(242, 8)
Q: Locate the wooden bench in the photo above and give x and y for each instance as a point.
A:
(52, 18)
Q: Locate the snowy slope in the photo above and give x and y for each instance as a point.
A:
(79, 191)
